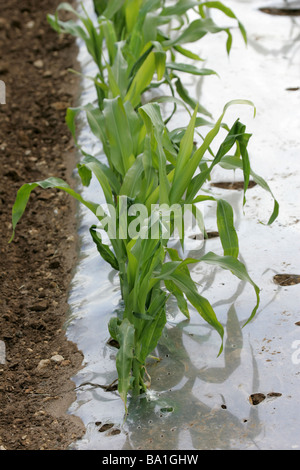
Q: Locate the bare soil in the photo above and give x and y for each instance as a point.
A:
(237, 185)
(284, 11)
(36, 269)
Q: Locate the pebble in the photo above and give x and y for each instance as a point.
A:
(30, 24)
(57, 358)
(43, 364)
(39, 64)
(2, 352)
(47, 73)
(60, 105)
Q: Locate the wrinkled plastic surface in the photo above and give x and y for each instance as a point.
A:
(198, 400)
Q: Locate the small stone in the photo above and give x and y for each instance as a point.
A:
(30, 24)
(60, 106)
(47, 74)
(39, 64)
(66, 362)
(2, 352)
(43, 364)
(57, 358)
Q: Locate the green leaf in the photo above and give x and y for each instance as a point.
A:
(227, 11)
(183, 281)
(142, 316)
(119, 69)
(194, 184)
(132, 179)
(187, 53)
(112, 7)
(104, 249)
(141, 80)
(131, 13)
(70, 120)
(124, 358)
(118, 134)
(152, 331)
(102, 179)
(154, 124)
(110, 176)
(179, 8)
(24, 192)
(85, 174)
(108, 29)
(191, 69)
(113, 327)
(100, 6)
(196, 30)
(227, 232)
(114, 90)
(181, 302)
(185, 151)
(184, 95)
(152, 118)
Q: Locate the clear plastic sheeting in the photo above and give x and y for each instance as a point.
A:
(247, 398)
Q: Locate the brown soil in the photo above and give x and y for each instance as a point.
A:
(287, 279)
(36, 268)
(281, 11)
(238, 185)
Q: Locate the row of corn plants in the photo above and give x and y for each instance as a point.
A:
(153, 175)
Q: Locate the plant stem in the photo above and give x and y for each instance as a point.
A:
(136, 370)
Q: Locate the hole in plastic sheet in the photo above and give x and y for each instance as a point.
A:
(287, 279)
(106, 427)
(285, 9)
(257, 398)
(238, 185)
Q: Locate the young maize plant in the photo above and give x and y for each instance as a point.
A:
(149, 168)
(149, 270)
(134, 51)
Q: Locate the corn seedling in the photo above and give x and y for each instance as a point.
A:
(152, 176)
(149, 270)
(135, 45)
